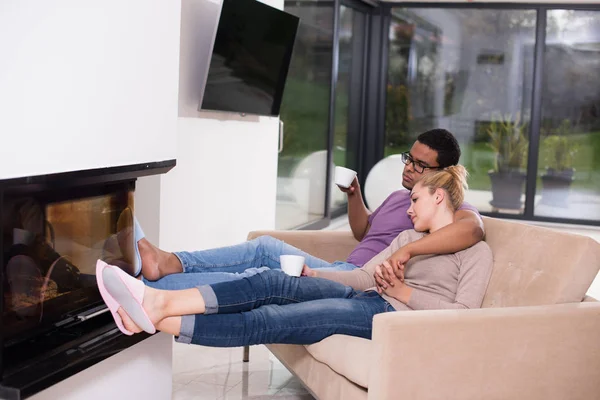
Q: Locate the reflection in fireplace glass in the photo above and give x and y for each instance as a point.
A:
(50, 249)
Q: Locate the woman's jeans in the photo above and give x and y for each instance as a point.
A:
(206, 267)
(272, 307)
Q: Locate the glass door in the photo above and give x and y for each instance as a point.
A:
(319, 125)
(468, 71)
(568, 172)
(349, 93)
(302, 163)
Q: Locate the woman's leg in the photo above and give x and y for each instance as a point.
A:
(269, 287)
(299, 323)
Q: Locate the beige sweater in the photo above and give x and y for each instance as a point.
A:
(441, 281)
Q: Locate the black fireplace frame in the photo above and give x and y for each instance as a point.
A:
(101, 338)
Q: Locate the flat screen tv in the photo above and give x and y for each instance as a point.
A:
(250, 59)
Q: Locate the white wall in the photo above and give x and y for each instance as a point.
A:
(225, 181)
(87, 84)
(143, 372)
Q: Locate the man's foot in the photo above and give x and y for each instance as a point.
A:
(157, 263)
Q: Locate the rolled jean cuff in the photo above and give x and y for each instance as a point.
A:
(211, 306)
(181, 259)
(186, 332)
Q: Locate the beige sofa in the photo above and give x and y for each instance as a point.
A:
(536, 336)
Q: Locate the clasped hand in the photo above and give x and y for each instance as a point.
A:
(390, 274)
(386, 277)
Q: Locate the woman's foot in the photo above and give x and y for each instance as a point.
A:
(128, 322)
(171, 325)
(155, 306)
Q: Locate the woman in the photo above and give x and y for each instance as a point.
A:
(271, 307)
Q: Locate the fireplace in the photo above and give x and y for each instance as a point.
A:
(53, 229)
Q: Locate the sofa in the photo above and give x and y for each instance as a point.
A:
(537, 335)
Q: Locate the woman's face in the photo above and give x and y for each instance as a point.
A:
(422, 208)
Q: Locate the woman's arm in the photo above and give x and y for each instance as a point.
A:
(359, 279)
(473, 278)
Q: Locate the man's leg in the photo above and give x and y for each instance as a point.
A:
(192, 280)
(263, 251)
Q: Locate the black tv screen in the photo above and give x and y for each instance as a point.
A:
(250, 59)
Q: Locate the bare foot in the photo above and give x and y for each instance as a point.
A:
(157, 263)
(154, 304)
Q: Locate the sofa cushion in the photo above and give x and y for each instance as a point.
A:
(347, 355)
(538, 266)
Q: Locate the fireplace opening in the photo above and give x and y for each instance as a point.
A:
(50, 243)
(53, 229)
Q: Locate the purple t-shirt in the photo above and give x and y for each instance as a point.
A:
(387, 222)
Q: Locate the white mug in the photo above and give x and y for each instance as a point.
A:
(291, 264)
(344, 177)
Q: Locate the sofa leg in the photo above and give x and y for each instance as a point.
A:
(246, 357)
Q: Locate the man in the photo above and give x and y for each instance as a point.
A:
(433, 150)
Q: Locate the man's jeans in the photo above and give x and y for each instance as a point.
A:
(272, 307)
(206, 267)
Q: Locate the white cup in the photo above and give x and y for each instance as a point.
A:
(291, 264)
(344, 177)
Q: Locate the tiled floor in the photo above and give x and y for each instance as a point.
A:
(205, 373)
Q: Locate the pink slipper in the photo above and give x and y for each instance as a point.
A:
(121, 290)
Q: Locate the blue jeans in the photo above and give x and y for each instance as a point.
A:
(224, 264)
(272, 307)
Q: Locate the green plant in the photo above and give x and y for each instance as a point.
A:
(397, 116)
(560, 152)
(508, 141)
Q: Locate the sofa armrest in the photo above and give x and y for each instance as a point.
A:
(541, 352)
(327, 245)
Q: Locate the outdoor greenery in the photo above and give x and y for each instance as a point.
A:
(559, 152)
(307, 123)
(508, 142)
(559, 148)
(479, 158)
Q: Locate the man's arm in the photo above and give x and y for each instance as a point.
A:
(358, 215)
(466, 230)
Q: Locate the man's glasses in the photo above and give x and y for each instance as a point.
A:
(418, 166)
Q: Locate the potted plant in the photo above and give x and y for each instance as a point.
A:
(559, 155)
(508, 141)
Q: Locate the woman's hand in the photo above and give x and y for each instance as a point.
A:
(307, 271)
(398, 260)
(389, 284)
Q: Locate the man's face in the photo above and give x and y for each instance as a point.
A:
(422, 155)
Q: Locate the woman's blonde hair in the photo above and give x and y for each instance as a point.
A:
(452, 179)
